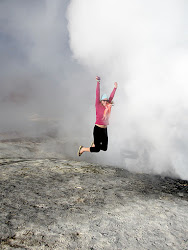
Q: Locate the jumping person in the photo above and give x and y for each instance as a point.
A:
(103, 110)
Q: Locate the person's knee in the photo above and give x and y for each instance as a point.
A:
(104, 148)
(97, 149)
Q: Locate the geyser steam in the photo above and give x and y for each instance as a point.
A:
(144, 46)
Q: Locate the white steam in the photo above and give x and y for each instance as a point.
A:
(39, 81)
(144, 46)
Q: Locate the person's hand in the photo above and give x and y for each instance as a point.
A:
(115, 85)
(98, 78)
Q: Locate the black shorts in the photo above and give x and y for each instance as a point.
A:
(100, 139)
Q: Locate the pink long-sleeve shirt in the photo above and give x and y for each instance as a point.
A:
(100, 108)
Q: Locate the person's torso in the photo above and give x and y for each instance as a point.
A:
(100, 115)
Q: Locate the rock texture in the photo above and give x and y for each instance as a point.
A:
(55, 203)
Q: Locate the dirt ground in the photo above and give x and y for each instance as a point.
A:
(52, 203)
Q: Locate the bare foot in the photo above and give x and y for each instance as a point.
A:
(82, 150)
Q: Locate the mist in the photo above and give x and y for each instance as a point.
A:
(39, 80)
(144, 46)
(51, 52)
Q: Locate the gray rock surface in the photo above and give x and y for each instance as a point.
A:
(52, 203)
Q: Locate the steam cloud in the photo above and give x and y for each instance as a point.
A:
(51, 52)
(144, 46)
(39, 79)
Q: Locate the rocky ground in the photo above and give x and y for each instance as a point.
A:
(51, 203)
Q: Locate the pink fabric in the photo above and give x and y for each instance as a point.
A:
(100, 109)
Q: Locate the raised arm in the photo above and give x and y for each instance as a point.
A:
(97, 90)
(113, 92)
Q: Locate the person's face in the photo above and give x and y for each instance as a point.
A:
(104, 102)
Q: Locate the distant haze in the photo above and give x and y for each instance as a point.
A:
(51, 52)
